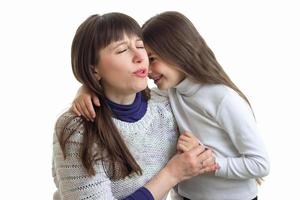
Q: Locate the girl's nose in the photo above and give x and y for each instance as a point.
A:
(149, 71)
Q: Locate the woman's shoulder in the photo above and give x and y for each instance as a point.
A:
(160, 104)
(70, 125)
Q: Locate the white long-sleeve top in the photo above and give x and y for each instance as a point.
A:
(223, 121)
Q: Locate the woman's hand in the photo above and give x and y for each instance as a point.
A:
(83, 103)
(188, 141)
(182, 166)
(191, 163)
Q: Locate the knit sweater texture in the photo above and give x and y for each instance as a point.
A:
(151, 141)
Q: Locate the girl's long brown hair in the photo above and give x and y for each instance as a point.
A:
(94, 34)
(174, 38)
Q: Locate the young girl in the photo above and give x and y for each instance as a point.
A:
(208, 104)
(133, 136)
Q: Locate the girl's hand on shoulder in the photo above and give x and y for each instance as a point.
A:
(83, 103)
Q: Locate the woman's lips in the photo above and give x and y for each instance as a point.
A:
(142, 73)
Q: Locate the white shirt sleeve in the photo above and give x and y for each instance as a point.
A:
(235, 116)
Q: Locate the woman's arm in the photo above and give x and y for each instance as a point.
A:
(181, 167)
(70, 176)
(73, 182)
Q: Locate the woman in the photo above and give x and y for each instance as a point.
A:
(133, 135)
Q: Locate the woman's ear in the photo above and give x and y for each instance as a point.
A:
(96, 72)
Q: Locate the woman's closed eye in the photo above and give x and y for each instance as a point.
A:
(139, 44)
(125, 49)
(121, 50)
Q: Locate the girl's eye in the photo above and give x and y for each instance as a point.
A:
(140, 47)
(151, 59)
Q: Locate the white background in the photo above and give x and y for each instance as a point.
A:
(257, 42)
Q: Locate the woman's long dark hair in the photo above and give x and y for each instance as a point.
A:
(94, 34)
(174, 38)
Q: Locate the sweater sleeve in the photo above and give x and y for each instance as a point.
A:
(71, 178)
(235, 116)
(140, 194)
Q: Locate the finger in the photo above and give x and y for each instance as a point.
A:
(185, 138)
(74, 109)
(192, 136)
(188, 134)
(205, 155)
(210, 161)
(95, 100)
(196, 151)
(189, 140)
(79, 108)
(84, 109)
(206, 170)
(90, 108)
(192, 139)
(184, 143)
(217, 166)
(183, 148)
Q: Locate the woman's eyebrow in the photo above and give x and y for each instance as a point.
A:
(117, 44)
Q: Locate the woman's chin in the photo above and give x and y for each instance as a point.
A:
(141, 86)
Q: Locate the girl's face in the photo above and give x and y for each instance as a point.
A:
(165, 76)
(123, 67)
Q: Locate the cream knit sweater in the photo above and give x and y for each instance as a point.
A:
(151, 140)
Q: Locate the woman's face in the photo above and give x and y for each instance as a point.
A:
(165, 76)
(123, 66)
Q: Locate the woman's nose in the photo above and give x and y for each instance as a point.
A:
(138, 56)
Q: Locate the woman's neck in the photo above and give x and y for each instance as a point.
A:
(129, 112)
(121, 99)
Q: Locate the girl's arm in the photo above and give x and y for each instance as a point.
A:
(236, 118)
(85, 99)
(83, 103)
